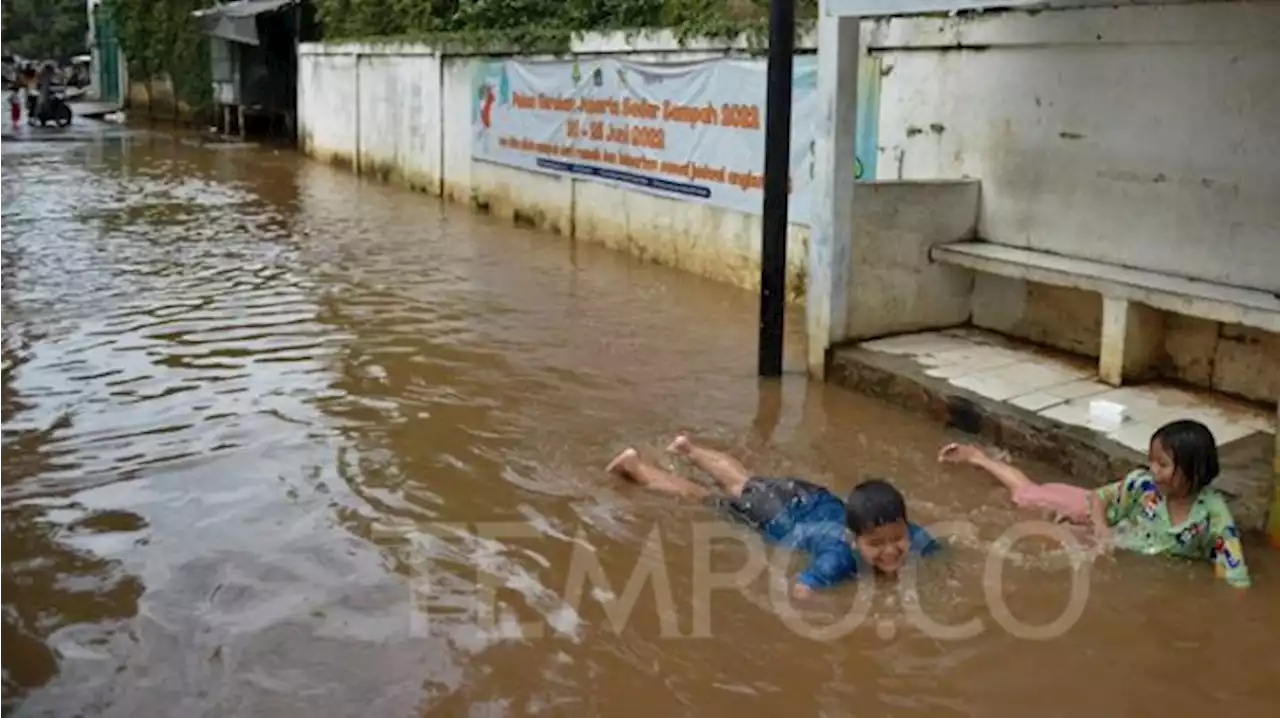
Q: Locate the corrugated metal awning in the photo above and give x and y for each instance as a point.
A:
(238, 21)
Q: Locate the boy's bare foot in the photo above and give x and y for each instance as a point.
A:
(680, 445)
(624, 464)
(630, 466)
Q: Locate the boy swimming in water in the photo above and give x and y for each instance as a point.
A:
(797, 514)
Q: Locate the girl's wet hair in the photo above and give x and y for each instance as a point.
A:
(872, 503)
(1193, 449)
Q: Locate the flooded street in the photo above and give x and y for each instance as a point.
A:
(270, 431)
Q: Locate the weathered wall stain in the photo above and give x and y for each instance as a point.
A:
(709, 241)
(1170, 97)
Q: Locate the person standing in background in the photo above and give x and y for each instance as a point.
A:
(48, 74)
(15, 104)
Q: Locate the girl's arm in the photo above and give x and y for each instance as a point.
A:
(1098, 522)
(1224, 548)
(1118, 500)
(1007, 474)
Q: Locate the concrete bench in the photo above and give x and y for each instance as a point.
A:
(1131, 334)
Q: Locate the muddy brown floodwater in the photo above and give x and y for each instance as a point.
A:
(272, 434)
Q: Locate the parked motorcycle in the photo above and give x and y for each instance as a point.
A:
(56, 110)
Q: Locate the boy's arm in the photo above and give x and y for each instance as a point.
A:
(923, 542)
(829, 565)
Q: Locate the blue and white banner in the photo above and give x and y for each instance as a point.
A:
(690, 131)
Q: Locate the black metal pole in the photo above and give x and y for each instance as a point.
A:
(777, 170)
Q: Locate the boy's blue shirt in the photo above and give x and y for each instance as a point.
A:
(833, 562)
(817, 526)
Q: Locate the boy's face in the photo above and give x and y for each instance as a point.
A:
(885, 547)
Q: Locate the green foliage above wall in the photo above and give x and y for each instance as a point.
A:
(542, 24)
(162, 38)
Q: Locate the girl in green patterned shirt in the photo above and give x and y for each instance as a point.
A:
(1166, 508)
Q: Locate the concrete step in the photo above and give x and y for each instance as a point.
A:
(1036, 404)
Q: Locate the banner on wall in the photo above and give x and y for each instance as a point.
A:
(690, 131)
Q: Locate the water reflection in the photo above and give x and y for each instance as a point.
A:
(258, 416)
(54, 576)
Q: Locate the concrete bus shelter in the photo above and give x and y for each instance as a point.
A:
(830, 265)
(1179, 231)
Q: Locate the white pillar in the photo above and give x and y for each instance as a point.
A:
(94, 90)
(122, 73)
(831, 223)
(1273, 517)
(1132, 341)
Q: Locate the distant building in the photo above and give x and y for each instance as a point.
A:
(253, 47)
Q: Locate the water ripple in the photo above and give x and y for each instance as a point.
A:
(265, 425)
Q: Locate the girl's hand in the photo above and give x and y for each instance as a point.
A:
(1105, 542)
(1098, 522)
(801, 592)
(959, 454)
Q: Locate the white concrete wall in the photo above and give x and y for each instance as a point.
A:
(399, 111)
(404, 112)
(328, 122)
(456, 127)
(1141, 136)
(894, 287)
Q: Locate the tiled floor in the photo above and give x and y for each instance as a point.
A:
(1068, 391)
